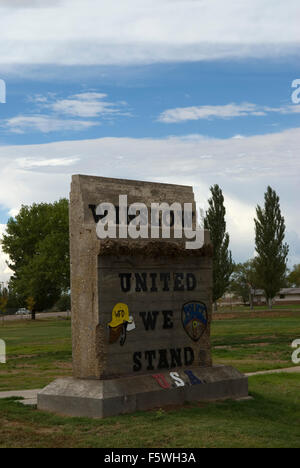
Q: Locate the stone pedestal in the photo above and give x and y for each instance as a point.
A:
(104, 398)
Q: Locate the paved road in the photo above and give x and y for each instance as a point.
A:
(8, 318)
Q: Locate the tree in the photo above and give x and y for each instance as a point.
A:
(63, 304)
(37, 242)
(272, 252)
(222, 259)
(30, 302)
(243, 281)
(293, 278)
(3, 300)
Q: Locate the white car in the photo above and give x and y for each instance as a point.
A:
(23, 311)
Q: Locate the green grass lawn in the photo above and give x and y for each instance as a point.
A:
(253, 344)
(271, 419)
(39, 352)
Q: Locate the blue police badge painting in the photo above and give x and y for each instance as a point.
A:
(194, 319)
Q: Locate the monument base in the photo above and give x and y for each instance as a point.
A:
(104, 398)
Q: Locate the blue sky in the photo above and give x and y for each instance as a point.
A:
(191, 93)
(140, 94)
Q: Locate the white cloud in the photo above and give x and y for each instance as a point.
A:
(247, 160)
(292, 109)
(227, 111)
(81, 106)
(5, 271)
(133, 31)
(27, 163)
(240, 224)
(45, 124)
(242, 167)
(28, 3)
(88, 104)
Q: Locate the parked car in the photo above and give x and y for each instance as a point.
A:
(23, 311)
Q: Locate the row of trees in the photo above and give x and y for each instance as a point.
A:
(37, 242)
(267, 270)
(244, 280)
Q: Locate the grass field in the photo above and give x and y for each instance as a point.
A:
(37, 353)
(40, 351)
(255, 341)
(246, 309)
(271, 419)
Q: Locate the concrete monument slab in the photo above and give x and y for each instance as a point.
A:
(141, 312)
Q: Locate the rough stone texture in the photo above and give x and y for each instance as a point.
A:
(89, 348)
(104, 398)
(115, 373)
(118, 360)
(153, 249)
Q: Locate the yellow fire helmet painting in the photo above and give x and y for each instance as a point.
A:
(120, 314)
(120, 323)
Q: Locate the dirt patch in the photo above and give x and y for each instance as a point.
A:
(223, 347)
(258, 314)
(248, 345)
(23, 356)
(259, 337)
(63, 365)
(48, 430)
(166, 409)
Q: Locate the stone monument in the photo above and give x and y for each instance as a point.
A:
(141, 312)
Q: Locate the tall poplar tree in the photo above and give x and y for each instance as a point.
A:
(214, 221)
(272, 252)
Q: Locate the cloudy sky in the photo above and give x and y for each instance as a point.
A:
(193, 92)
